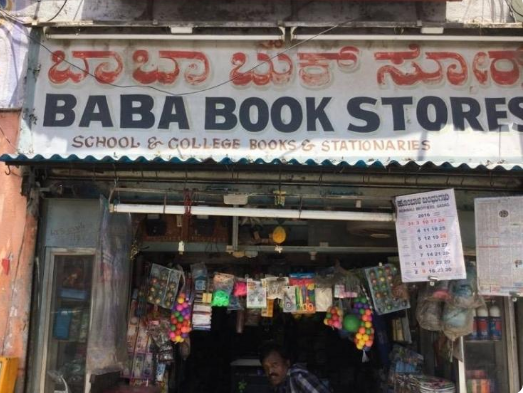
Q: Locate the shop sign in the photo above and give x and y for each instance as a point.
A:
(499, 245)
(429, 240)
(337, 101)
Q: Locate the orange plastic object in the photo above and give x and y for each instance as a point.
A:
(8, 373)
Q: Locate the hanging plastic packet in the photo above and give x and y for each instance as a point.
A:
(240, 287)
(268, 312)
(166, 353)
(346, 284)
(234, 303)
(256, 294)
(429, 312)
(457, 321)
(199, 275)
(163, 286)
(223, 285)
(275, 286)
(323, 298)
(464, 293)
(289, 299)
(305, 292)
(439, 292)
(158, 330)
(323, 293)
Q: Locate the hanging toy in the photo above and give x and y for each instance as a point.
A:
(181, 315)
(180, 320)
(334, 317)
(364, 337)
(351, 323)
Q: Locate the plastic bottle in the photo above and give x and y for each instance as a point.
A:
(482, 323)
(474, 334)
(494, 322)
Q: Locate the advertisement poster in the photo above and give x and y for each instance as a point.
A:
(499, 245)
(429, 240)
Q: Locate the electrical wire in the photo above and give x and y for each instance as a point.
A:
(188, 93)
(11, 17)
(58, 13)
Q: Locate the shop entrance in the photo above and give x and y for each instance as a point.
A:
(203, 343)
(226, 358)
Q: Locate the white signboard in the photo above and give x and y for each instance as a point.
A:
(338, 101)
(499, 245)
(429, 240)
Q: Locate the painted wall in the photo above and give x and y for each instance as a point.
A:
(17, 243)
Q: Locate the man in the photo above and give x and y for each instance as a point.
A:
(284, 377)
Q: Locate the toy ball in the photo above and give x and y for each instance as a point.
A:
(334, 317)
(351, 323)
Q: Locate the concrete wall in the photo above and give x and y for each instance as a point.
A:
(13, 62)
(465, 11)
(17, 244)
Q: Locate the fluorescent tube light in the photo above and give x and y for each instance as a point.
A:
(253, 212)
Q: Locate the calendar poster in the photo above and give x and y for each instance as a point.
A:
(429, 240)
(499, 245)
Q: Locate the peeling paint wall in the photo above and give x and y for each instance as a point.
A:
(479, 11)
(17, 243)
(13, 61)
(465, 11)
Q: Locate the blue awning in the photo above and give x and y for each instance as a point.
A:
(22, 159)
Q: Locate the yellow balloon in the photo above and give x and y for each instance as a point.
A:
(279, 235)
(365, 337)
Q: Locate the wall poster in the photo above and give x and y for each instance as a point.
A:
(429, 238)
(499, 245)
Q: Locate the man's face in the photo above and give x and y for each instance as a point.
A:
(275, 368)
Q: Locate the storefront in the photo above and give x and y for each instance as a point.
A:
(250, 192)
